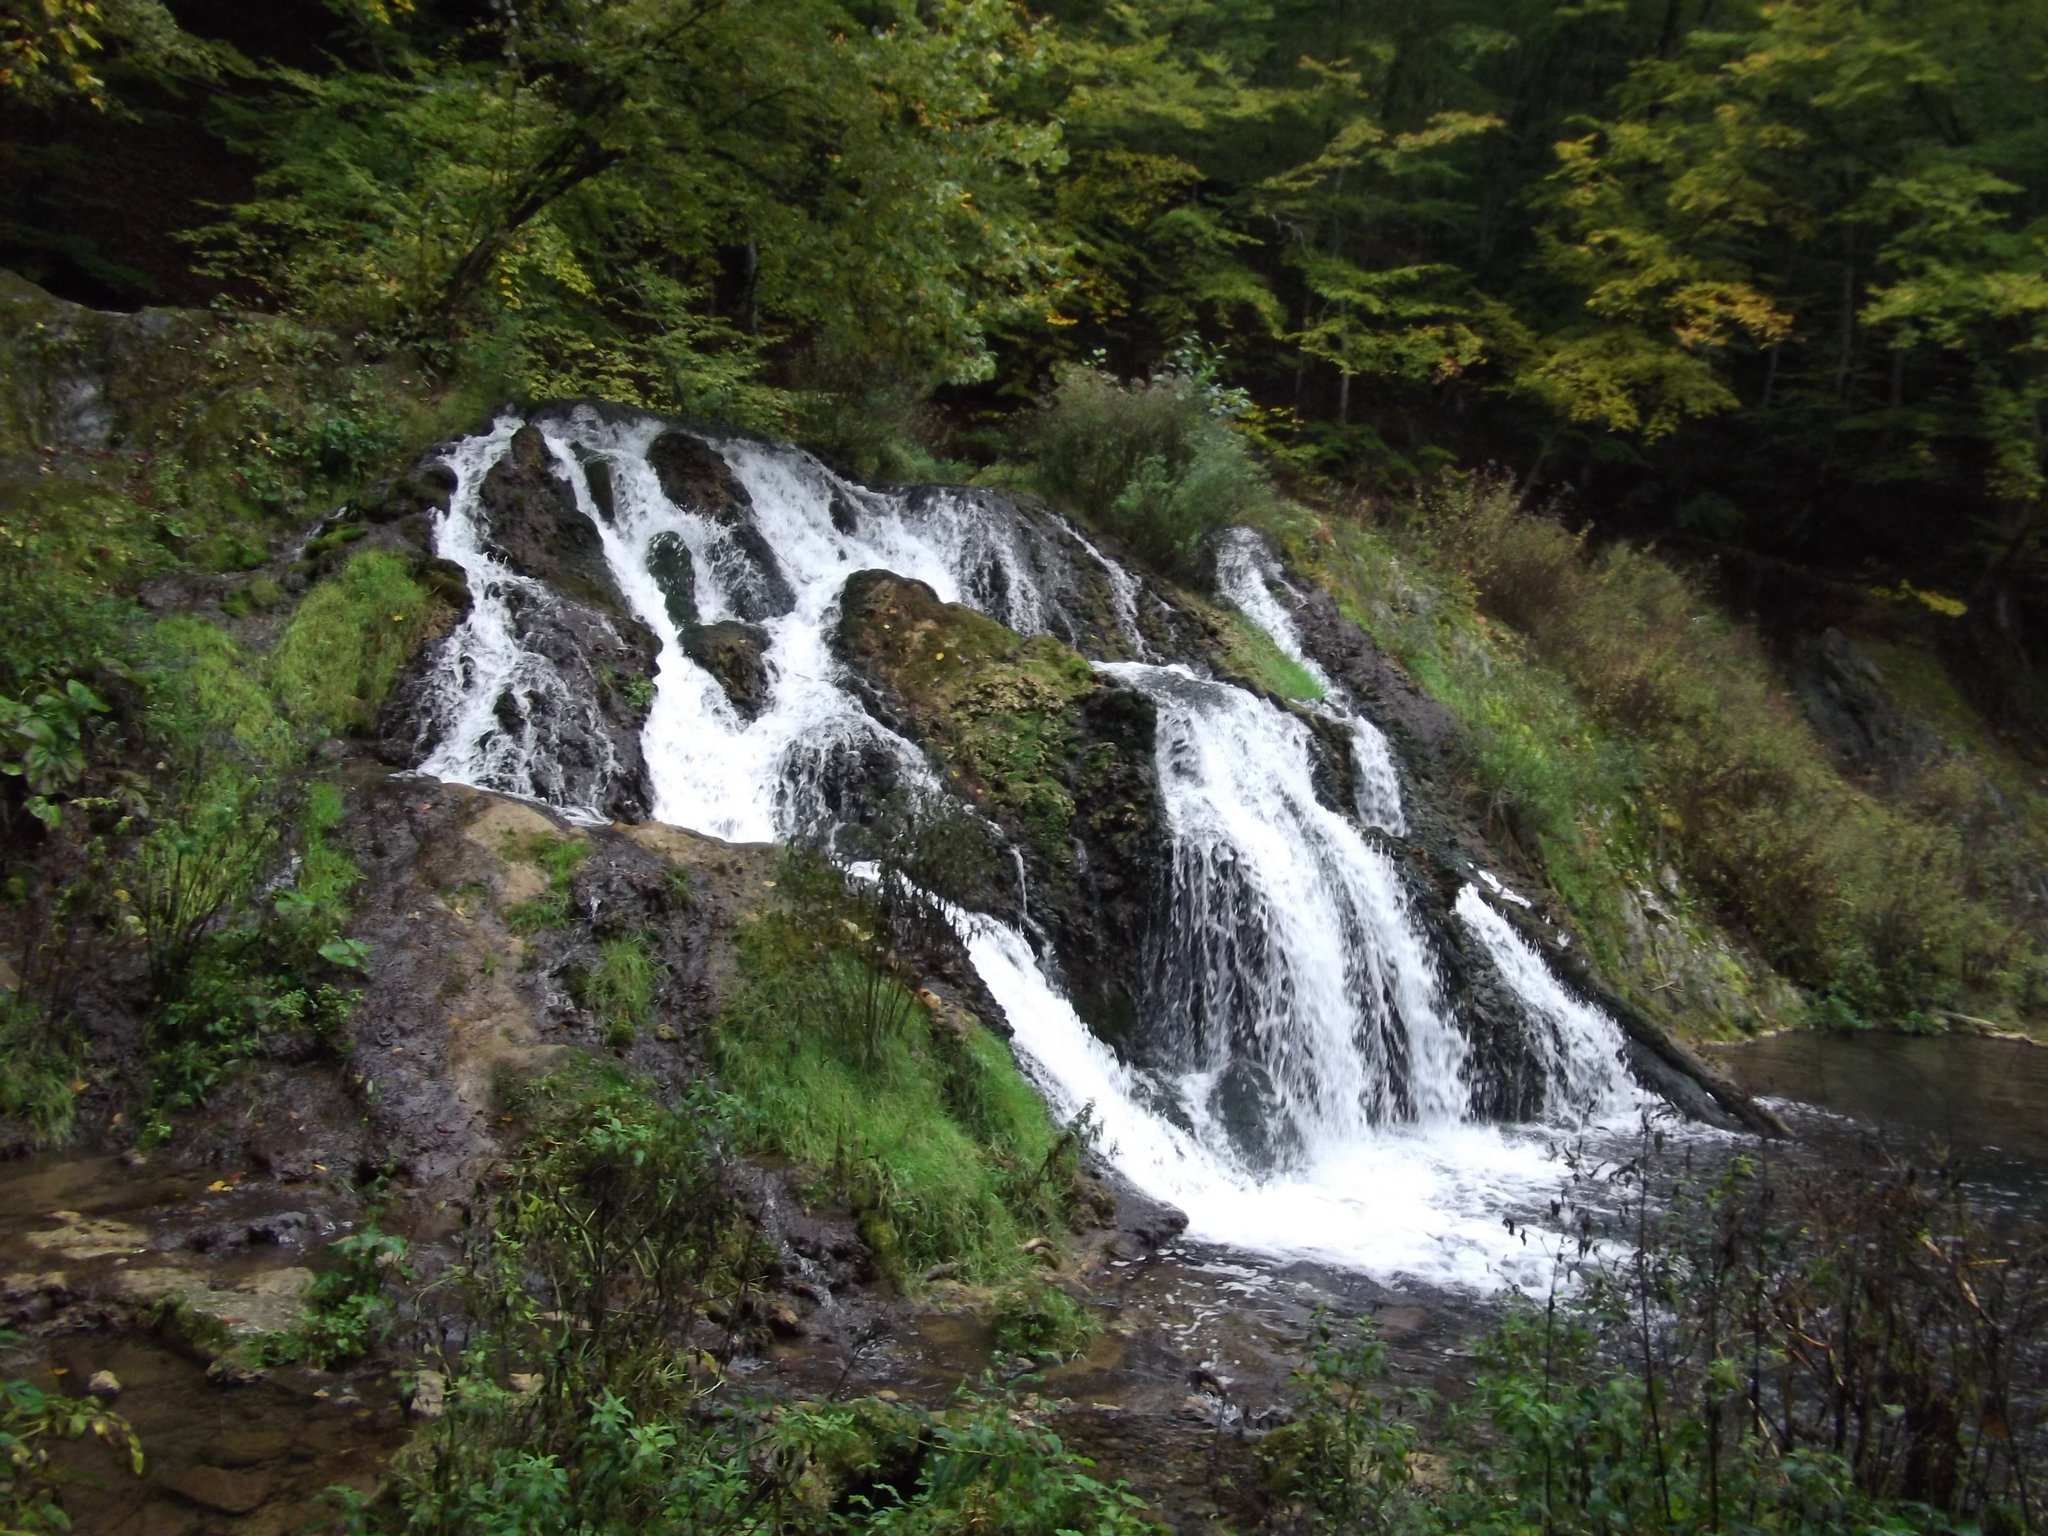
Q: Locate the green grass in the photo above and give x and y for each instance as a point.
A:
(349, 640)
(559, 858)
(944, 1151)
(1624, 732)
(1255, 655)
(205, 686)
(620, 988)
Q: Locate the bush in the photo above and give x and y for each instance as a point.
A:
(1157, 463)
(349, 640)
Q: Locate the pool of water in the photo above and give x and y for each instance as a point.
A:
(1979, 1103)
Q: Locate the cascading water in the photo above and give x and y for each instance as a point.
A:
(1302, 1085)
(1246, 575)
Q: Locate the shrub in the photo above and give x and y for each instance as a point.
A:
(1157, 463)
(348, 641)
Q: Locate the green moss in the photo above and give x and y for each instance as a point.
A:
(930, 1132)
(998, 709)
(1252, 653)
(349, 640)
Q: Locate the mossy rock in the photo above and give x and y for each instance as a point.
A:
(1000, 710)
(1060, 755)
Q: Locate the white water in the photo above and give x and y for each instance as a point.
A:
(1246, 575)
(1304, 1089)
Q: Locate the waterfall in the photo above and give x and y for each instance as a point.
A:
(1303, 1081)
(1246, 575)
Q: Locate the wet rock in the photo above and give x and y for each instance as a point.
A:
(533, 523)
(104, 1385)
(695, 475)
(427, 487)
(220, 1490)
(283, 1228)
(429, 1399)
(1061, 757)
(673, 570)
(1150, 1222)
(733, 653)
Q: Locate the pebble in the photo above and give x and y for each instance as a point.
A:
(105, 1386)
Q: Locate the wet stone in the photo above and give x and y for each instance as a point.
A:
(220, 1490)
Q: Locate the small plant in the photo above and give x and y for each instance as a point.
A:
(1347, 1455)
(1038, 1319)
(349, 1310)
(620, 989)
(43, 742)
(31, 1422)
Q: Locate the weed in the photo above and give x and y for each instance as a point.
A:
(1038, 1319)
(348, 1308)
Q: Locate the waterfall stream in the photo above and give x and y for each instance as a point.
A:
(1303, 1084)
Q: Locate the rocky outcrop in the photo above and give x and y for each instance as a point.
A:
(1056, 754)
(1852, 710)
(573, 616)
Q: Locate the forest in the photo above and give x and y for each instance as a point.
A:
(1764, 281)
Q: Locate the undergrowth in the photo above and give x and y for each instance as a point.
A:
(1619, 725)
(923, 1125)
(611, 1272)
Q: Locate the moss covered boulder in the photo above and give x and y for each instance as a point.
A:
(1032, 735)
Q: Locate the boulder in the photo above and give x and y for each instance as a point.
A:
(734, 653)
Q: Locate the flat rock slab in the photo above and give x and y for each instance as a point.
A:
(224, 1492)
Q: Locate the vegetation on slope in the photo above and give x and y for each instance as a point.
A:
(900, 1105)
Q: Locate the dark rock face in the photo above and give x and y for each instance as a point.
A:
(535, 526)
(669, 562)
(733, 653)
(1845, 697)
(695, 476)
(591, 740)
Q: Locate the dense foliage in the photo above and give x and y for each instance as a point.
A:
(1610, 242)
